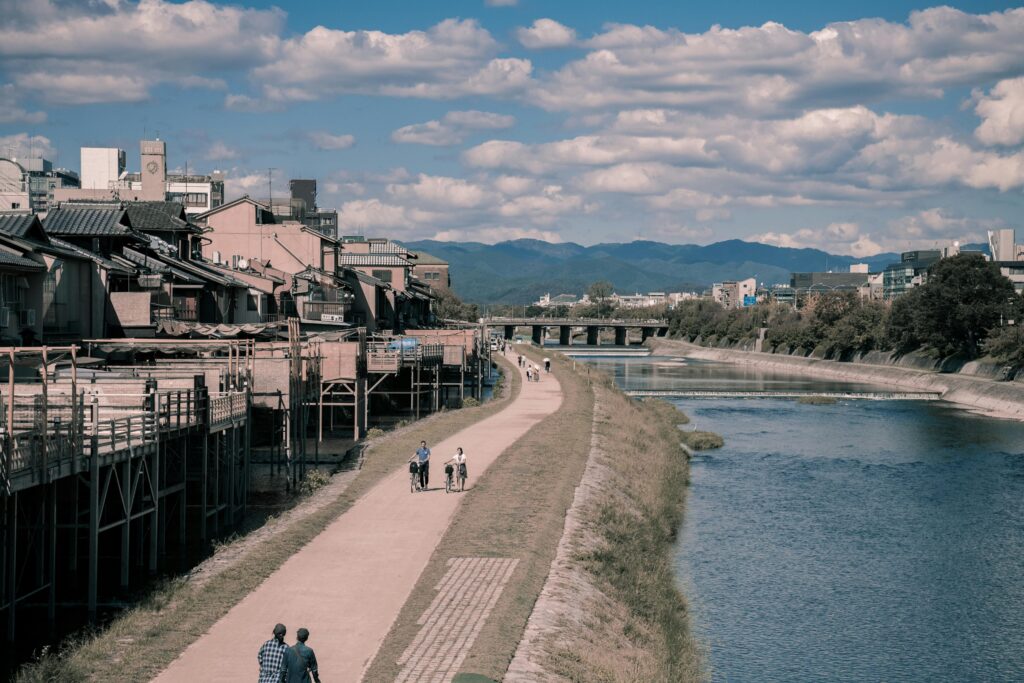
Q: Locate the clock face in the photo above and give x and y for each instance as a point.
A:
(152, 166)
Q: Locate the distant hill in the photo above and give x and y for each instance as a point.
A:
(521, 271)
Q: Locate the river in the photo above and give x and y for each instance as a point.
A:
(860, 541)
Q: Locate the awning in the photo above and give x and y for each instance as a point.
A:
(179, 328)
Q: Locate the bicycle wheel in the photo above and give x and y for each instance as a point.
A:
(412, 484)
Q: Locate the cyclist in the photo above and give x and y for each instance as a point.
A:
(422, 456)
(459, 461)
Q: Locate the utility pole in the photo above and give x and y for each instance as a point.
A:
(270, 187)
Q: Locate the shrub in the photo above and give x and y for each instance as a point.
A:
(374, 432)
(470, 402)
(314, 480)
(702, 441)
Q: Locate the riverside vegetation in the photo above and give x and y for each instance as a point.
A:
(965, 310)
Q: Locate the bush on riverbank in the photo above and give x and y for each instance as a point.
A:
(702, 441)
(959, 311)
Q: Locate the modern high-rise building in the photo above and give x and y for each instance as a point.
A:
(102, 167)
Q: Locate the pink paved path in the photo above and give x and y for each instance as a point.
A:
(348, 584)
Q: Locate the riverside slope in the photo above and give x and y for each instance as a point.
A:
(1000, 399)
(349, 583)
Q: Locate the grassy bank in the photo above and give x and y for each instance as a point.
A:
(635, 623)
(145, 639)
(516, 509)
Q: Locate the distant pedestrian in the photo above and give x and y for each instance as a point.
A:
(529, 374)
(300, 661)
(547, 365)
(520, 360)
(271, 656)
(536, 373)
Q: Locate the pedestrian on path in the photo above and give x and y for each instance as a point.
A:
(300, 661)
(520, 360)
(423, 458)
(536, 373)
(271, 656)
(529, 374)
(547, 365)
(459, 461)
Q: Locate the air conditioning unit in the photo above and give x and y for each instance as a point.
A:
(28, 317)
(5, 316)
(216, 257)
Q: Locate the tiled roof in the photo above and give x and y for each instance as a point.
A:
(87, 222)
(386, 247)
(18, 224)
(19, 262)
(425, 259)
(85, 253)
(159, 217)
(386, 260)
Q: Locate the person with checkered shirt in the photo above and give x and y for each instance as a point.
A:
(271, 657)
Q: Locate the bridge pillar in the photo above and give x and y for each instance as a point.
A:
(565, 335)
(662, 331)
(645, 332)
(510, 331)
(620, 336)
(538, 334)
(592, 335)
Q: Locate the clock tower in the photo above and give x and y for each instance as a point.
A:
(154, 170)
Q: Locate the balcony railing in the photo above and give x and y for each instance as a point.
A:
(326, 311)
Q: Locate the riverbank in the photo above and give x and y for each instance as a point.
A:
(611, 608)
(142, 641)
(998, 399)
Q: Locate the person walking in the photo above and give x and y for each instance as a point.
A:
(271, 656)
(529, 374)
(461, 473)
(300, 661)
(520, 360)
(423, 458)
(547, 365)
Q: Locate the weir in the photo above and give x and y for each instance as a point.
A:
(862, 395)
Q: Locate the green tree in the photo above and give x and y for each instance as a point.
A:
(447, 306)
(600, 291)
(964, 299)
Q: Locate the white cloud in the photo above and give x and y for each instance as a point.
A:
(219, 151)
(514, 185)
(845, 238)
(1002, 114)
(23, 146)
(585, 150)
(245, 103)
(546, 33)
(453, 128)
(360, 214)
(11, 111)
(329, 141)
(501, 3)
(771, 68)
(252, 184)
(117, 51)
(442, 191)
(450, 59)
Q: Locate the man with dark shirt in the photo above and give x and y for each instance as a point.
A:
(300, 661)
(423, 458)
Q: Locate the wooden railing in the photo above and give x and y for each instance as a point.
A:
(326, 311)
(227, 410)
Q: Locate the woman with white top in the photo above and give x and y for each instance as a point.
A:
(459, 461)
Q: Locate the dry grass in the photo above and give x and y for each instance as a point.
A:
(639, 627)
(702, 441)
(147, 638)
(517, 509)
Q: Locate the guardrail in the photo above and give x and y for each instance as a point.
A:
(862, 395)
(227, 410)
(389, 356)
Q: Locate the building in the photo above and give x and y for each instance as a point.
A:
(405, 301)
(547, 301)
(30, 184)
(104, 179)
(1008, 255)
(431, 270)
(911, 271)
(827, 282)
(735, 293)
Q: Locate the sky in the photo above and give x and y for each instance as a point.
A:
(856, 127)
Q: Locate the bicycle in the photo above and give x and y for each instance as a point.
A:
(414, 477)
(449, 484)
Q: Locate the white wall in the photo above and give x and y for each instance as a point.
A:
(101, 166)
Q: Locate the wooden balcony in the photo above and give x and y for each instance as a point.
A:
(336, 312)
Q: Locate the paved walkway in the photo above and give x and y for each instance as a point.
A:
(348, 585)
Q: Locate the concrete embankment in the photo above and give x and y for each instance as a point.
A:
(1002, 399)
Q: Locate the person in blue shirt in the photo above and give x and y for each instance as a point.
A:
(300, 661)
(423, 457)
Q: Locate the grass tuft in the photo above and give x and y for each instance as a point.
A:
(702, 441)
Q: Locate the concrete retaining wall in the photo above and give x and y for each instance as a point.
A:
(969, 388)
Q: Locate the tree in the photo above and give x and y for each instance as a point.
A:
(600, 291)
(447, 306)
(964, 299)
(1007, 345)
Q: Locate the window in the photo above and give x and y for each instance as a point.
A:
(252, 303)
(15, 205)
(196, 199)
(382, 275)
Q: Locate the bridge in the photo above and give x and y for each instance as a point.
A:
(593, 326)
(862, 395)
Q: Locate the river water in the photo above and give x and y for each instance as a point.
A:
(861, 541)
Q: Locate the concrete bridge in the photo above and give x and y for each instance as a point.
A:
(648, 328)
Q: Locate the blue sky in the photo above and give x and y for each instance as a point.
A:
(855, 127)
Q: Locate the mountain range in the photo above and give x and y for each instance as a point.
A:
(520, 271)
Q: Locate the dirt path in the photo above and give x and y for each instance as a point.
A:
(348, 585)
